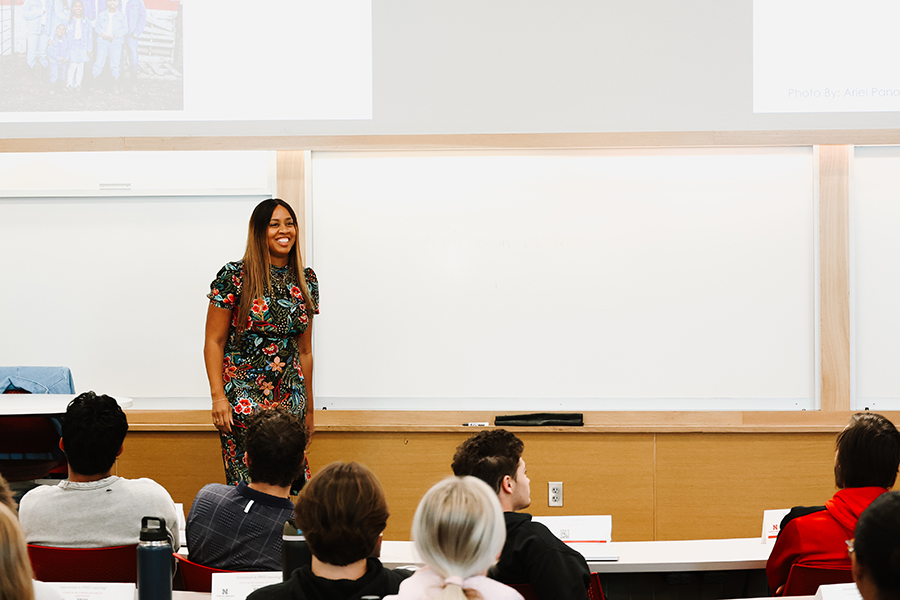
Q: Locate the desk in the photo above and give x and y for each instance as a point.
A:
(666, 570)
(643, 557)
(42, 404)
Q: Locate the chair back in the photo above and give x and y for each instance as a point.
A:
(196, 577)
(115, 564)
(805, 579)
(595, 591)
(29, 448)
(525, 589)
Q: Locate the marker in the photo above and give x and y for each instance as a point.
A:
(477, 424)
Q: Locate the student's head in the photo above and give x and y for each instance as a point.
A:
(92, 433)
(15, 567)
(61, 30)
(495, 457)
(275, 441)
(868, 452)
(6, 496)
(459, 530)
(876, 549)
(342, 513)
(112, 5)
(77, 9)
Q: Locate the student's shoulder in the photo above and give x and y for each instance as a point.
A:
(798, 512)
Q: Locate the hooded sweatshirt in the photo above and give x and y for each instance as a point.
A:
(816, 535)
(304, 585)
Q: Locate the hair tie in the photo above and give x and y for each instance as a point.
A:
(455, 580)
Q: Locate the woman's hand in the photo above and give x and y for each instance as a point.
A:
(221, 414)
(218, 320)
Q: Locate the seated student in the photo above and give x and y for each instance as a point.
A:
(865, 466)
(16, 581)
(342, 513)
(94, 508)
(239, 528)
(459, 531)
(875, 549)
(531, 554)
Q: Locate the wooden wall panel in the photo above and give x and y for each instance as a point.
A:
(717, 485)
(182, 462)
(602, 474)
(656, 486)
(834, 275)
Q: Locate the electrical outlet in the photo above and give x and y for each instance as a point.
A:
(554, 493)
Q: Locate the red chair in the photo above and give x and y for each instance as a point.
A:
(805, 579)
(196, 577)
(595, 592)
(116, 564)
(525, 589)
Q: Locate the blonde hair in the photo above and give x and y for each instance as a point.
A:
(15, 567)
(257, 275)
(459, 531)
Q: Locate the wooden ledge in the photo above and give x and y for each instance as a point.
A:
(595, 422)
(460, 141)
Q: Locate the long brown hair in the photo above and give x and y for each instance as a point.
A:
(257, 281)
(15, 567)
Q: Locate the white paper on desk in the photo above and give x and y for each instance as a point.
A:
(838, 591)
(579, 529)
(594, 551)
(95, 591)
(772, 523)
(237, 586)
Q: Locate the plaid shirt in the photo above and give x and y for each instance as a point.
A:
(236, 528)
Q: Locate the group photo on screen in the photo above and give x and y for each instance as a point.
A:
(91, 55)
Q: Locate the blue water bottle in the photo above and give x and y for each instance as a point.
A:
(154, 561)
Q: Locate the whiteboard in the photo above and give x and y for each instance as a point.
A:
(570, 280)
(874, 278)
(115, 288)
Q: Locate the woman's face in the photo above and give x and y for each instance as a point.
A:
(77, 9)
(281, 236)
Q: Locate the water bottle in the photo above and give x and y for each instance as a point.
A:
(154, 561)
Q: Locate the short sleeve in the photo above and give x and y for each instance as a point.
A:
(312, 282)
(225, 289)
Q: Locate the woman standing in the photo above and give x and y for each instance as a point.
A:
(258, 349)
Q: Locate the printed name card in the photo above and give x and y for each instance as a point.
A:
(579, 529)
(237, 586)
(838, 591)
(772, 523)
(95, 591)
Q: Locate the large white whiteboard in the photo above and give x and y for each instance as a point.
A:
(875, 278)
(678, 279)
(115, 288)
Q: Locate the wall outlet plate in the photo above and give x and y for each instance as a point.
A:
(554, 493)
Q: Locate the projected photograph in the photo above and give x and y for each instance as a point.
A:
(91, 55)
(825, 56)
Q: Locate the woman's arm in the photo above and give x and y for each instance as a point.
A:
(218, 321)
(304, 355)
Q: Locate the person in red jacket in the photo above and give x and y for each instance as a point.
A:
(865, 466)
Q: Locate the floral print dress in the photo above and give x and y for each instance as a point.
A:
(261, 368)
